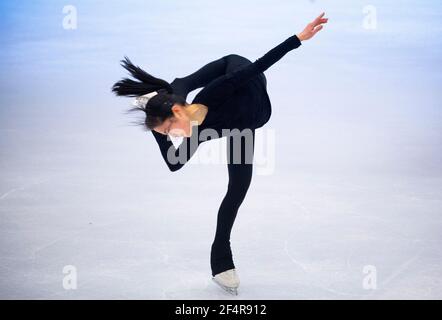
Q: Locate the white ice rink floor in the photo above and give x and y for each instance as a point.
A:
(354, 197)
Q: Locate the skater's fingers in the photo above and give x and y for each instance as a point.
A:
(316, 21)
(317, 29)
(325, 20)
(313, 27)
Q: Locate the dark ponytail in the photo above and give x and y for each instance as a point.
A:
(158, 108)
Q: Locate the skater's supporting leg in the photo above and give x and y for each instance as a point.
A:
(240, 176)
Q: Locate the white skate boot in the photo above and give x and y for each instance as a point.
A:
(228, 280)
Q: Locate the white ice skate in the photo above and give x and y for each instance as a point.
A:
(228, 280)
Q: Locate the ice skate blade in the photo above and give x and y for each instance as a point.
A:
(232, 291)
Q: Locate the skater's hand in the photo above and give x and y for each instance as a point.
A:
(312, 28)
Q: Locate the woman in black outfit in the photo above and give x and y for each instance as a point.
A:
(233, 103)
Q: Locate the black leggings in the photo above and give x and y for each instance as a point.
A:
(240, 176)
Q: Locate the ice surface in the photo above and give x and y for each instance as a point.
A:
(356, 182)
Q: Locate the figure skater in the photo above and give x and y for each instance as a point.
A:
(233, 103)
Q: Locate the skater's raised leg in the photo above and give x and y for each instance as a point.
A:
(209, 72)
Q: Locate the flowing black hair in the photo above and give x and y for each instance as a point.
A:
(158, 108)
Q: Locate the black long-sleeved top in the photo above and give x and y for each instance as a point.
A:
(235, 100)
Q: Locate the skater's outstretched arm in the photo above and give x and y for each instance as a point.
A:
(223, 87)
(217, 68)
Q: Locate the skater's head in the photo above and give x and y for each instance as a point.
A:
(166, 112)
